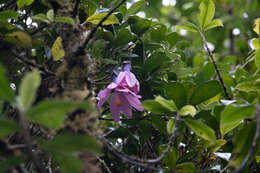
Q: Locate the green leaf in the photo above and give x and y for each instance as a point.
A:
(96, 18)
(256, 43)
(28, 90)
(19, 38)
(168, 104)
(52, 113)
(10, 162)
(219, 143)
(188, 110)
(155, 107)
(41, 17)
(233, 115)
(247, 86)
(6, 92)
(8, 14)
(186, 167)
(155, 61)
(7, 127)
(171, 158)
(70, 143)
(172, 38)
(201, 93)
(213, 24)
(68, 163)
(24, 3)
(159, 123)
(136, 7)
(207, 12)
(257, 26)
(124, 36)
(65, 20)
(201, 130)
(50, 15)
(242, 143)
(57, 49)
(170, 126)
(257, 58)
(139, 25)
(189, 27)
(176, 92)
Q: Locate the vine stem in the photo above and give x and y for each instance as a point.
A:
(215, 65)
(81, 50)
(29, 144)
(139, 161)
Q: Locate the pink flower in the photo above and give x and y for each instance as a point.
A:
(124, 97)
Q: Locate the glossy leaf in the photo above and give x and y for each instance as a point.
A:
(233, 115)
(207, 12)
(24, 3)
(159, 123)
(136, 7)
(257, 58)
(176, 92)
(155, 61)
(69, 163)
(201, 129)
(189, 27)
(19, 38)
(257, 26)
(53, 113)
(65, 20)
(57, 49)
(201, 93)
(185, 167)
(50, 15)
(171, 158)
(155, 107)
(28, 90)
(41, 17)
(7, 127)
(6, 92)
(96, 18)
(170, 126)
(70, 143)
(8, 14)
(213, 24)
(168, 104)
(188, 110)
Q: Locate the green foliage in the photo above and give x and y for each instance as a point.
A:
(233, 115)
(52, 113)
(6, 92)
(96, 18)
(188, 110)
(7, 127)
(28, 90)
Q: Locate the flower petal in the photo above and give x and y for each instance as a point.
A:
(126, 107)
(130, 79)
(114, 108)
(103, 95)
(133, 100)
(112, 85)
(120, 77)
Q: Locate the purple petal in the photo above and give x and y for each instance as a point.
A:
(114, 108)
(112, 85)
(130, 79)
(134, 101)
(103, 95)
(120, 77)
(126, 107)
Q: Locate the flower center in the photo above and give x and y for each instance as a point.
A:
(118, 102)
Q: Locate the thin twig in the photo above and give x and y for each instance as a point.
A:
(80, 50)
(123, 119)
(49, 165)
(29, 143)
(75, 10)
(47, 72)
(215, 65)
(254, 144)
(139, 161)
(104, 163)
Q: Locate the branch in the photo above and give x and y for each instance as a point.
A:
(123, 119)
(254, 144)
(215, 65)
(139, 161)
(75, 10)
(80, 50)
(41, 68)
(29, 144)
